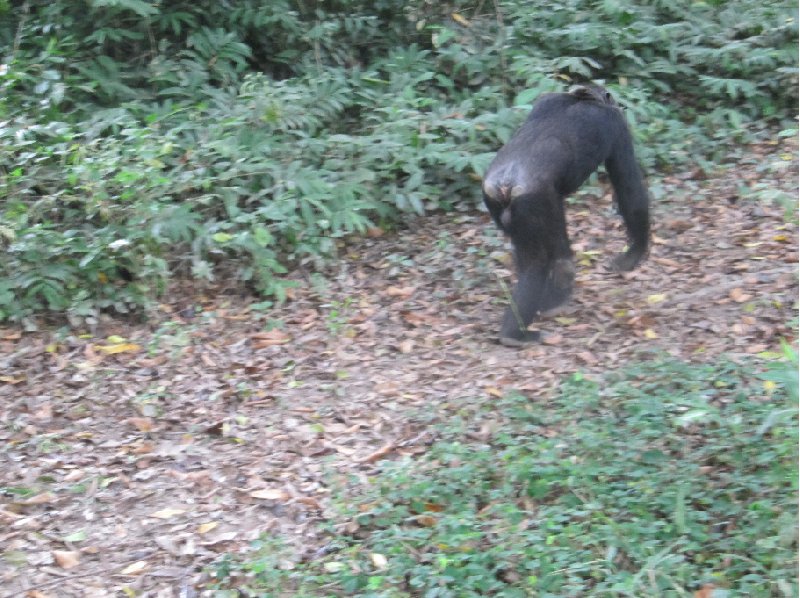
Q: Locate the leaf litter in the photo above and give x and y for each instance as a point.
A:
(134, 458)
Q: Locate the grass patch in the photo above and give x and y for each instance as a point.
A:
(656, 481)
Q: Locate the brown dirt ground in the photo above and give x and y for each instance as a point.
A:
(129, 465)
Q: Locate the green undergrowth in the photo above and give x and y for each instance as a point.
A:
(656, 481)
(241, 141)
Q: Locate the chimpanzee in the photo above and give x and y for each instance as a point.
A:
(563, 141)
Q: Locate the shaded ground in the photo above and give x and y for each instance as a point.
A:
(130, 464)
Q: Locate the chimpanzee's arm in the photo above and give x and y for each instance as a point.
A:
(632, 200)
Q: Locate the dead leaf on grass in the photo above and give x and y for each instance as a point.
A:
(707, 591)
(753, 349)
(381, 452)
(380, 561)
(426, 520)
(333, 566)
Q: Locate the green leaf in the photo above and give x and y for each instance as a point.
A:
(78, 536)
(221, 237)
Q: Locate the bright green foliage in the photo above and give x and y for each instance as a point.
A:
(649, 483)
(242, 138)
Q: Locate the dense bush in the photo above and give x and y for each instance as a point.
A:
(140, 139)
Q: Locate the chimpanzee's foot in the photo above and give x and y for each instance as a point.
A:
(521, 338)
(557, 310)
(625, 262)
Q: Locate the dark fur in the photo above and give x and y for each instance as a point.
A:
(564, 140)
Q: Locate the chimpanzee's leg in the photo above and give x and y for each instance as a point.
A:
(632, 201)
(544, 263)
(495, 208)
(526, 298)
(561, 270)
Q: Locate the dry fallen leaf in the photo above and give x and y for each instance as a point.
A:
(401, 292)
(381, 452)
(426, 520)
(207, 527)
(406, 346)
(143, 424)
(270, 494)
(707, 591)
(44, 411)
(309, 501)
(67, 559)
(739, 295)
(333, 566)
(167, 513)
(120, 348)
(552, 339)
(380, 561)
(269, 338)
(40, 499)
(135, 568)
(8, 516)
(460, 19)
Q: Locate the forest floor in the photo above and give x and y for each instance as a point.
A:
(133, 457)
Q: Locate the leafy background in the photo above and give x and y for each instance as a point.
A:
(238, 141)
